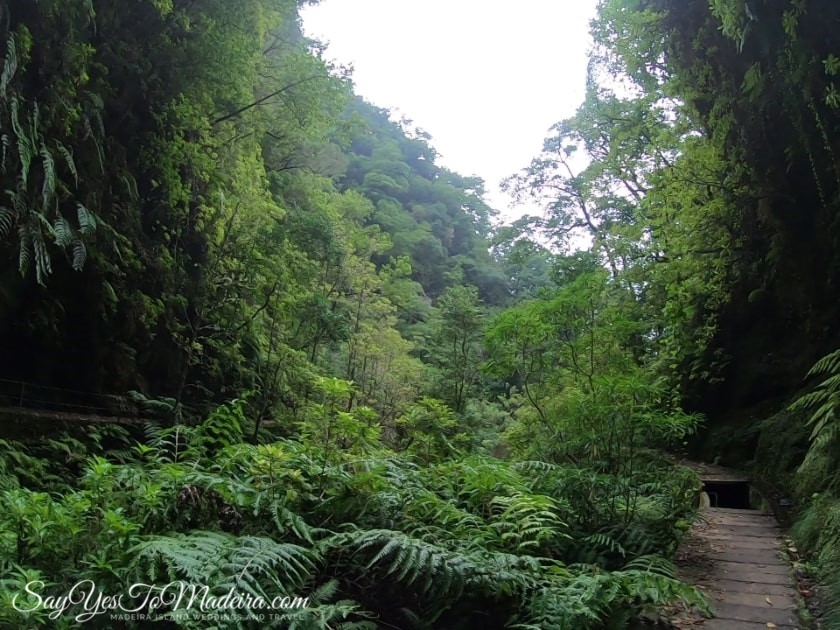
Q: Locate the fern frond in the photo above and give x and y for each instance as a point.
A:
(412, 561)
(243, 562)
(7, 221)
(830, 383)
(319, 615)
(68, 160)
(79, 255)
(254, 556)
(49, 184)
(426, 509)
(4, 142)
(10, 64)
(809, 399)
(830, 363)
(87, 222)
(606, 542)
(530, 466)
(527, 520)
(652, 564)
(824, 420)
(43, 264)
(62, 232)
(26, 148)
(285, 520)
(192, 556)
(161, 406)
(130, 186)
(25, 254)
(96, 100)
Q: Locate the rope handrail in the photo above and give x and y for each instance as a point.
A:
(41, 414)
(34, 396)
(57, 389)
(27, 401)
(32, 399)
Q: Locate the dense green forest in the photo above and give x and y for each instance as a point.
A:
(351, 381)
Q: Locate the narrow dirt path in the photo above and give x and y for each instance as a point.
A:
(737, 557)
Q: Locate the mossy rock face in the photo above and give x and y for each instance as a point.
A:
(768, 441)
(729, 442)
(781, 447)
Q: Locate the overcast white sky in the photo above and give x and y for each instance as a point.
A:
(485, 78)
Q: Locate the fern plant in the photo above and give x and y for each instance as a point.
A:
(819, 469)
(374, 538)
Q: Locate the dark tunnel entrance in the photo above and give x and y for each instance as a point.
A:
(728, 494)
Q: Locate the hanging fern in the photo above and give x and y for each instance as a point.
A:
(68, 160)
(62, 232)
(45, 175)
(87, 222)
(79, 255)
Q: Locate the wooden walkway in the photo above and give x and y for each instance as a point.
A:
(738, 558)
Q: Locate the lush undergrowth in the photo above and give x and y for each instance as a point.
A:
(817, 484)
(373, 538)
(817, 534)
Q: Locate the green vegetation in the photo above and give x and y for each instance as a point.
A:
(359, 386)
